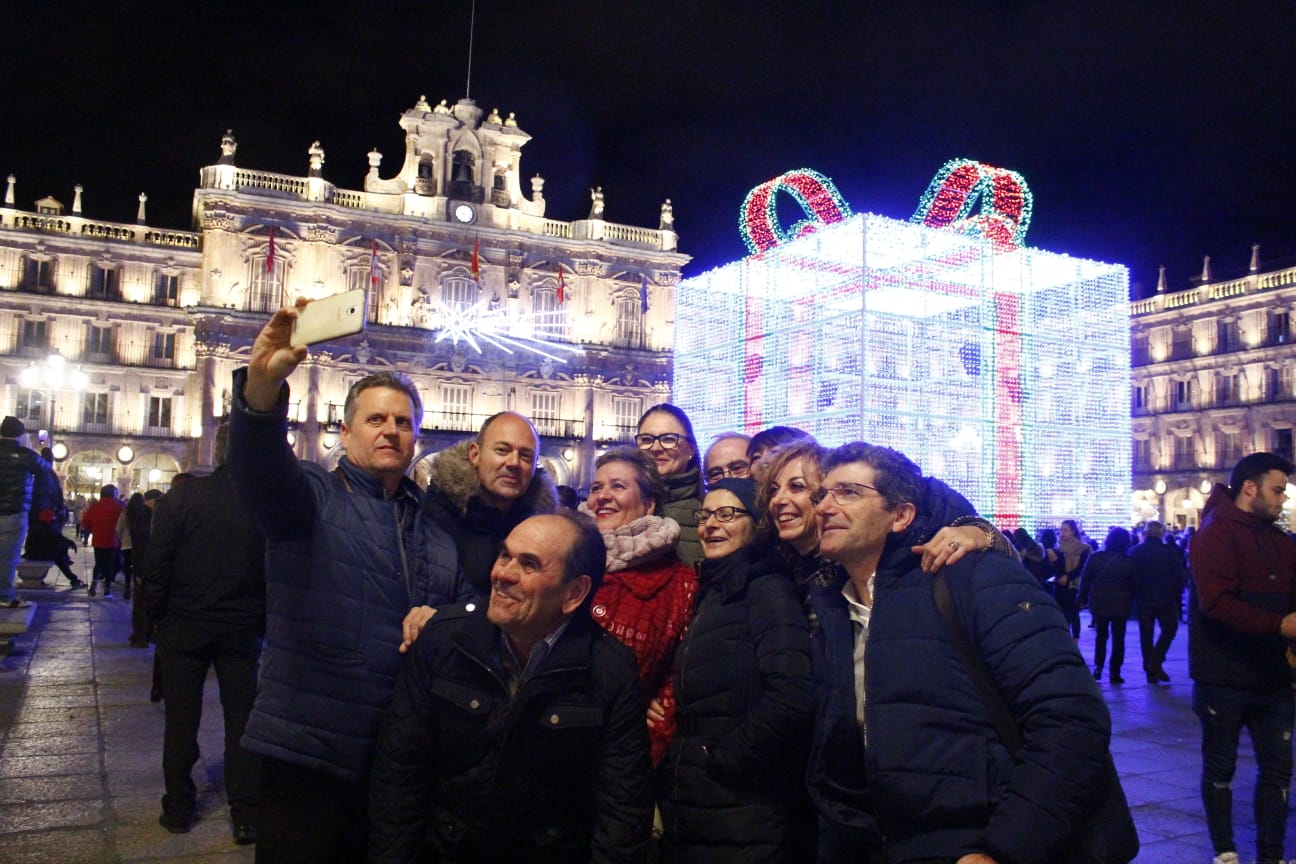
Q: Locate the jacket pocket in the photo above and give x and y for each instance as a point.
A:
(470, 700)
(563, 717)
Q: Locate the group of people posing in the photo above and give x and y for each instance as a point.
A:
(736, 652)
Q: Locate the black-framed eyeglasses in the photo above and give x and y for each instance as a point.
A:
(722, 514)
(739, 468)
(842, 493)
(668, 441)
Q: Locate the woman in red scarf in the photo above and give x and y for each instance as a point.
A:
(647, 594)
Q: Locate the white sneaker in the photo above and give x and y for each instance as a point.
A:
(1227, 858)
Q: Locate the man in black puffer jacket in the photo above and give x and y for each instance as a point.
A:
(517, 733)
(19, 468)
(904, 749)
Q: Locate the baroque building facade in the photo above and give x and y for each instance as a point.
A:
(1212, 380)
(117, 341)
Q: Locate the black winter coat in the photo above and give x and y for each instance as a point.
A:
(205, 560)
(732, 785)
(1107, 584)
(558, 773)
(19, 467)
(1159, 577)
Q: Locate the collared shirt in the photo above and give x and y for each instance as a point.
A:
(859, 616)
(517, 673)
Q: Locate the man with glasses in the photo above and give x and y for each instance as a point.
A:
(726, 457)
(903, 747)
(1240, 627)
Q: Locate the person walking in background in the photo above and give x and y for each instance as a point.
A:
(125, 541)
(1241, 619)
(100, 521)
(1106, 587)
(45, 539)
(202, 579)
(1159, 577)
(19, 469)
(1072, 554)
(140, 526)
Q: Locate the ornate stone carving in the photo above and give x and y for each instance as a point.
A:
(320, 233)
(218, 221)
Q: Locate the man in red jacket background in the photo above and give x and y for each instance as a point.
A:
(1240, 620)
(100, 519)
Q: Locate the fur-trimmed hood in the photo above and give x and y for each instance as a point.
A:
(453, 478)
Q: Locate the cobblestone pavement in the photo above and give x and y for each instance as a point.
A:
(81, 779)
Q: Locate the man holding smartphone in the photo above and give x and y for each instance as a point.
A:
(354, 571)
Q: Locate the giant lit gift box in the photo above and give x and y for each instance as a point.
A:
(1000, 369)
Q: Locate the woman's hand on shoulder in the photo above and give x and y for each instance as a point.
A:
(950, 545)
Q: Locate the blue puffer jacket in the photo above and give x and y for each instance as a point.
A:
(338, 589)
(934, 774)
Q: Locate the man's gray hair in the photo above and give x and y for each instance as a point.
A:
(393, 380)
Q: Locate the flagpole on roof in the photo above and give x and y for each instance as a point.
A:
(472, 25)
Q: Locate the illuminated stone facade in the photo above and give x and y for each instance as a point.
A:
(1211, 379)
(472, 291)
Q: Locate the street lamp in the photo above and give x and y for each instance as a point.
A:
(53, 375)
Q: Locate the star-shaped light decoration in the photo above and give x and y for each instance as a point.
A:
(492, 324)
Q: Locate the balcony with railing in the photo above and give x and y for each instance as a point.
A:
(95, 350)
(79, 226)
(457, 421)
(228, 177)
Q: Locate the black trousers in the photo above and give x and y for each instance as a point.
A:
(309, 817)
(1154, 654)
(105, 567)
(186, 648)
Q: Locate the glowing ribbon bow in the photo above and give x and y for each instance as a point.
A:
(815, 193)
(1005, 198)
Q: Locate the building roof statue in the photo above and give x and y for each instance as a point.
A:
(667, 216)
(316, 153)
(228, 147)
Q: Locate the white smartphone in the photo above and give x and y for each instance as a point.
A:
(329, 318)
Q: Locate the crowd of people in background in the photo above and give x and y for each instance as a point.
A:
(766, 649)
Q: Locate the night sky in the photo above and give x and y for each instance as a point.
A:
(1150, 132)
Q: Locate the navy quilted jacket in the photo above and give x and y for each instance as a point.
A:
(934, 774)
(337, 592)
